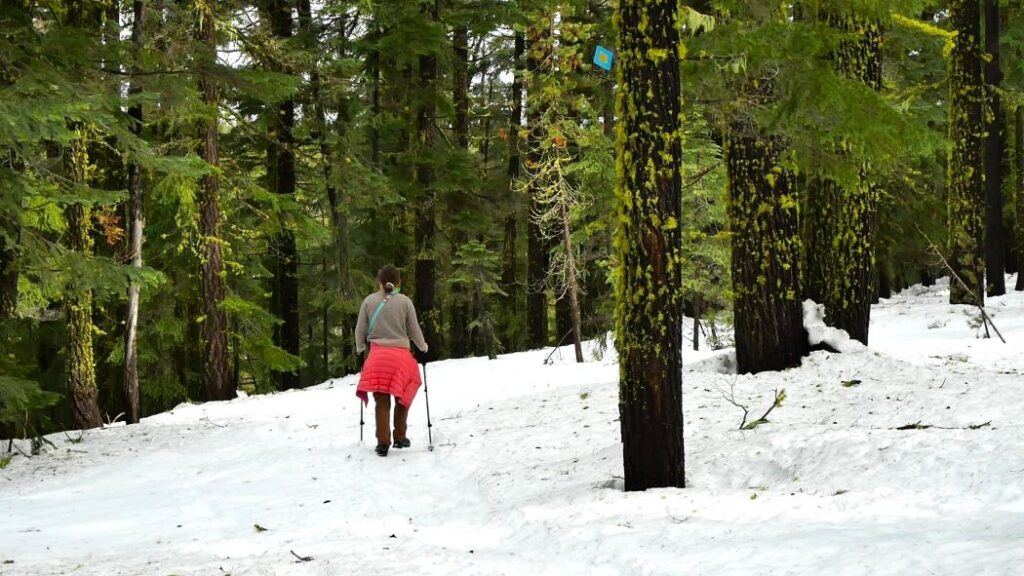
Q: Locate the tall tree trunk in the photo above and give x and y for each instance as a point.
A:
(135, 234)
(966, 191)
(81, 374)
(426, 227)
(1019, 161)
(8, 276)
(850, 215)
(572, 288)
(994, 128)
(80, 364)
(333, 171)
(211, 266)
(9, 237)
(765, 256)
(458, 327)
(649, 312)
(537, 60)
(510, 253)
(9, 233)
(281, 174)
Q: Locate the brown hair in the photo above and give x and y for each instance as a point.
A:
(389, 277)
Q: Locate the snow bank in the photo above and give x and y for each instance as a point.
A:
(896, 460)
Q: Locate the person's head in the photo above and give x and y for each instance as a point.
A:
(389, 278)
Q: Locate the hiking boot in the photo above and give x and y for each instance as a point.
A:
(403, 443)
(382, 450)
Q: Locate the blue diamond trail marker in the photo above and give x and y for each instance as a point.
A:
(603, 58)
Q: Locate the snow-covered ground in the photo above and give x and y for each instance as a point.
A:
(526, 475)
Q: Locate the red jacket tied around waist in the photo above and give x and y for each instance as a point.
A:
(389, 370)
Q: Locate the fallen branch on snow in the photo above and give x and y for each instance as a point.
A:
(918, 426)
(730, 397)
(302, 558)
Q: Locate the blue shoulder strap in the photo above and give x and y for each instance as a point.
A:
(376, 314)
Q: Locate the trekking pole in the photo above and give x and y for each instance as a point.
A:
(426, 396)
(360, 421)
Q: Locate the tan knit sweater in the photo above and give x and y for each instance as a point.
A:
(396, 323)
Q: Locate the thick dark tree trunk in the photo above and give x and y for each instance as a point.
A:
(9, 233)
(460, 298)
(211, 267)
(510, 252)
(649, 312)
(966, 188)
(8, 277)
(995, 126)
(81, 374)
(9, 237)
(135, 234)
(281, 180)
(765, 256)
(426, 227)
(1019, 194)
(536, 246)
(841, 240)
(80, 368)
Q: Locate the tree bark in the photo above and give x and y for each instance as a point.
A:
(994, 128)
(649, 311)
(510, 252)
(765, 256)
(458, 327)
(8, 278)
(966, 191)
(537, 61)
(426, 227)
(81, 374)
(135, 232)
(211, 267)
(841, 249)
(281, 176)
(80, 364)
(571, 285)
(1019, 160)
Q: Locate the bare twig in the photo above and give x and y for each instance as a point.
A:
(302, 558)
(985, 318)
(918, 426)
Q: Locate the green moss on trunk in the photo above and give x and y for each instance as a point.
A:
(765, 255)
(80, 368)
(648, 244)
(841, 223)
(965, 175)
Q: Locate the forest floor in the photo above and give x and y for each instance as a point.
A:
(902, 458)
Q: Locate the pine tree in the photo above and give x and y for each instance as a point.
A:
(994, 138)
(765, 253)
(281, 180)
(458, 326)
(539, 38)
(841, 223)
(425, 298)
(135, 209)
(966, 177)
(1019, 193)
(81, 369)
(218, 385)
(510, 261)
(648, 245)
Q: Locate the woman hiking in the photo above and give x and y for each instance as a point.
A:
(387, 321)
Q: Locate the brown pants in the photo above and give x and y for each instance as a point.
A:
(383, 405)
